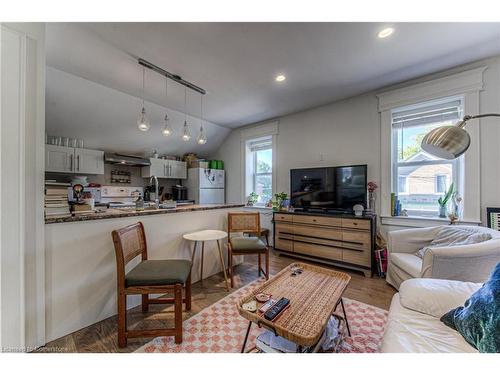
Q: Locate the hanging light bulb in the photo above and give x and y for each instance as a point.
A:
(167, 129)
(202, 137)
(142, 121)
(186, 134)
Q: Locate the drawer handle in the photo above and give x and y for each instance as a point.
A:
(314, 220)
(355, 223)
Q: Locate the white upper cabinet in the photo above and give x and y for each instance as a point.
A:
(157, 168)
(165, 169)
(89, 161)
(59, 159)
(177, 169)
(73, 160)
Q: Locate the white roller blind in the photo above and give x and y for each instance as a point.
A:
(262, 144)
(428, 114)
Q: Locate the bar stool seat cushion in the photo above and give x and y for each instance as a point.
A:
(247, 244)
(159, 272)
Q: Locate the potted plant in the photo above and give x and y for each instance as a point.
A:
(278, 201)
(443, 201)
(252, 198)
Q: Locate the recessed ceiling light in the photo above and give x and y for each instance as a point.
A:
(385, 32)
(280, 78)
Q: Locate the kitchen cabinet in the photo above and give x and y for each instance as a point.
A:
(178, 169)
(73, 160)
(165, 169)
(89, 161)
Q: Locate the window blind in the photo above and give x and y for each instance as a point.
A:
(428, 114)
(262, 144)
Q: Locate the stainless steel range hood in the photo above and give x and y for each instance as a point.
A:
(136, 161)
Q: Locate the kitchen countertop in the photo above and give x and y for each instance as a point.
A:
(113, 213)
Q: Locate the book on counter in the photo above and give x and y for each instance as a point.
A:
(56, 199)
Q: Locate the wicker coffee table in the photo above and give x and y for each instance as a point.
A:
(314, 295)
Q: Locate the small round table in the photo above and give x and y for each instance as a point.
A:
(207, 235)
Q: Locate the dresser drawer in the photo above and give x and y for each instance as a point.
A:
(283, 217)
(317, 232)
(356, 224)
(283, 244)
(358, 257)
(284, 230)
(356, 240)
(318, 220)
(320, 251)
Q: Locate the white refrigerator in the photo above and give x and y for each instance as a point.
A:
(206, 186)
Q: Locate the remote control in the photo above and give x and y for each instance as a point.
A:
(277, 308)
(267, 305)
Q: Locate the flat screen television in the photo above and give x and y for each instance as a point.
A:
(328, 188)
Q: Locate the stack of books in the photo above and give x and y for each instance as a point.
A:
(56, 199)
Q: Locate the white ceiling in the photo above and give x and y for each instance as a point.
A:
(236, 62)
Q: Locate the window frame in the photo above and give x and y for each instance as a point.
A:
(436, 186)
(395, 163)
(256, 174)
(467, 83)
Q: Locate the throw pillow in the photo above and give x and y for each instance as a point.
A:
(478, 321)
(455, 236)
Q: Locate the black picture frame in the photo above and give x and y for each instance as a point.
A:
(489, 211)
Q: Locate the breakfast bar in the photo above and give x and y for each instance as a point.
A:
(80, 260)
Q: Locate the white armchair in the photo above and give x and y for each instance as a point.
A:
(472, 262)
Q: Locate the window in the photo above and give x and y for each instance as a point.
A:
(419, 179)
(441, 183)
(259, 169)
(402, 184)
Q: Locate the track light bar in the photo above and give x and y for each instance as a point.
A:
(173, 77)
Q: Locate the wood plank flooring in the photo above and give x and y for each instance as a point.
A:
(101, 337)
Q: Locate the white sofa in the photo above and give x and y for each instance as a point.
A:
(413, 324)
(463, 262)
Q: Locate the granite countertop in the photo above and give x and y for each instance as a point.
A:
(113, 213)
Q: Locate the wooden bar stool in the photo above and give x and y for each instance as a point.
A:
(149, 276)
(246, 223)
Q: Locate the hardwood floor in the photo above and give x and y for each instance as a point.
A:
(101, 337)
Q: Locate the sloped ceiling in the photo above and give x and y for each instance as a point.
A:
(106, 119)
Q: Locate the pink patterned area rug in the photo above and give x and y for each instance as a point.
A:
(219, 328)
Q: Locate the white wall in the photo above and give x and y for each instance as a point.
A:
(348, 132)
(22, 319)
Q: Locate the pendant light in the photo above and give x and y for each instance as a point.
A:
(142, 121)
(167, 129)
(186, 134)
(202, 137)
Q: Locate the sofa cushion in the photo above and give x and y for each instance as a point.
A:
(159, 272)
(454, 236)
(409, 331)
(434, 296)
(478, 321)
(410, 263)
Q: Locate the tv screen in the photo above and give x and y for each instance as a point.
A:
(328, 188)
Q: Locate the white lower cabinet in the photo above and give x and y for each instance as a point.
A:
(73, 160)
